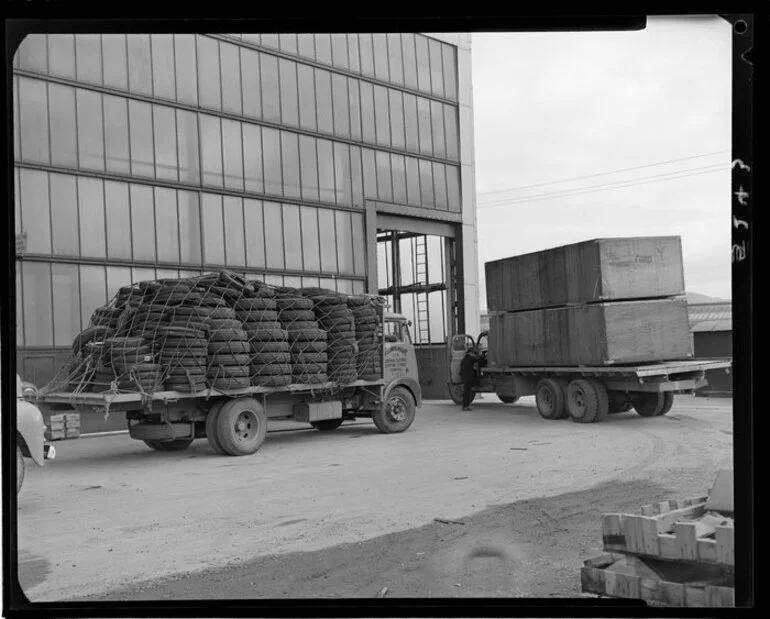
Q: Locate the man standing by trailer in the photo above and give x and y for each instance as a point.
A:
(468, 374)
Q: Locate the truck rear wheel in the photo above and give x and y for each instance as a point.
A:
(211, 422)
(587, 401)
(177, 445)
(241, 426)
(668, 402)
(619, 402)
(397, 412)
(327, 425)
(550, 397)
(456, 393)
(649, 404)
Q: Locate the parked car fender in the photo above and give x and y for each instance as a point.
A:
(30, 427)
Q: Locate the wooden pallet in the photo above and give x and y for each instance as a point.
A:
(63, 425)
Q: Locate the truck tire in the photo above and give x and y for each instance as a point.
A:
(587, 401)
(668, 402)
(618, 402)
(241, 426)
(19, 469)
(648, 404)
(178, 445)
(508, 399)
(397, 412)
(456, 393)
(326, 425)
(211, 421)
(551, 398)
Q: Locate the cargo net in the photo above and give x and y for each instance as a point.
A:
(221, 331)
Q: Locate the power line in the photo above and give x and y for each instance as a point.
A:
(576, 178)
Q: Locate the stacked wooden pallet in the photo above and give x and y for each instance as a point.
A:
(63, 425)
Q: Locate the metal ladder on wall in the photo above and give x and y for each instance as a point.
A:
(421, 278)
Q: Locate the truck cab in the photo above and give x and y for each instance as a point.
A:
(459, 345)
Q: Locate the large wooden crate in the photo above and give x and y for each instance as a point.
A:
(599, 270)
(597, 334)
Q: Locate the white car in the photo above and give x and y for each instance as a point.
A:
(30, 431)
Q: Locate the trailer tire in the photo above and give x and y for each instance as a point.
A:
(508, 399)
(648, 404)
(587, 401)
(211, 422)
(397, 412)
(326, 425)
(619, 402)
(551, 398)
(668, 402)
(241, 426)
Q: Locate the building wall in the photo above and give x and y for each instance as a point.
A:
(163, 155)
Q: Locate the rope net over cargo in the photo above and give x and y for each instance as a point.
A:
(225, 332)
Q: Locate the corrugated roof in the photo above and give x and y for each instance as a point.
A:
(710, 312)
(712, 325)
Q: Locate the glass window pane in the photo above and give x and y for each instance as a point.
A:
(381, 56)
(252, 158)
(38, 304)
(273, 280)
(187, 147)
(143, 222)
(289, 95)
(252, 38)
(93, 291)
(211, 150)
(366, 51)
(271, 106)
(367, 112)
(398, 167)
(17, 199)
(340, 50)
(209, 80)
(89, 58)
(311, 281)
(64, 214)
(270, 40)
(166, 165)
(439, 184)
(93, 239)
(341, 106)
(61, 107)
(186, 69)
(356, 176)
(410, 60)
(382, 115)
(288, 43)
(310, 240)
(32, 54)
(437, 126)
(450, 124)
(162, 273)
(232, 147)
(354, 105)
(449, 54)
(292, 281)
(189, 227)
(90, 130)
(307, 107)
(328, 283)
(252, 93)
(353, 53)
(384, 181)
(306, 45)
(426, 183)
(436, 69)
(423, 63)
(114, 48)
(308, 168)
(326, 170)
(139, 64)
(66, 292)
(290, 164)
(413, 181)
(142, 151)
(323, 94)
(323, 48)
(118, 216)
(213, 230)
(255, 233)
(327, 232)
(35, 211)
(292, 237)
(163, 76)
(453, 188)
(167, 225)
(358, 287)
(370, 173)
(143, 274)
(396, 102)
(342, 174)
(16, 121)
(117, 277)
(61, 55)
(235, 239)
(230, 68)
(273, 235)
(394, 59)
(33, 118)
(426, 130)
(116, 134)
(271, 147)
(359, 243)
(344, 242)
(345, 286)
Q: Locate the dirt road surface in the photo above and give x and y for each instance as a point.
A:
(347, 513)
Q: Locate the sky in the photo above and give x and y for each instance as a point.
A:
(550, 107)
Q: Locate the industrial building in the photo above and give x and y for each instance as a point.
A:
(712, 328)
(339, 160)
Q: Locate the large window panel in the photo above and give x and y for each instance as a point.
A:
(306, 45)
(354, 107)
(340, 50)
(425, 126)
(143, 274)
(308, 168)
(271, 104)
(251, 86)
(88, 49)
(93, 240)
(439, 185)
(345, 286)
(423, 63)
(384, 180)
(164, 273)
(270, 40)
(398, 167)
(437, 129)
(449, 54)
(90, 130)
(436, 68)
(366, 53)
(353, 54)
(396, 104)
(35, 210)
(307, 107)
(117, 277)
(235, 238)
(186, 68)
(292, 237)
(382, 115)
(163, 71)
(252, 158)
(33, 118)
(426, 183)
(139, 64)
(93, 291)
(38, 304)
(167, 224)
(273, 280)
(311, 281)
(323, 48)
(143, 222)
(450, 126)
(250, 37)
(453, 188)
(232, 148)
(327, 233)
(211, 150)
(271, 148)
(114, 50)
(413, 181)
(370, 173)
(310, 241)
(289, 96)
(409, 59)
(288, 43)
(189, 227)
(118, 216)
(209, 79)
(187, 147)
(326, 170)
(380, 41)
(341, 105)
(345, 242)
(61, 55)
(274, 235)
(358, 287)
(230, 70)
(342, 175)
(395, 60)
(356, 176)
(323, 96)
(140, 130)
(66, 292)
(32, 53)
(359, 243)
(254, 229)
(116, 134)
(292, 281)
(64, 214)
(411, 129)
(290, 164)
(213, 229)
(367, 112)
(164, 124)
(61, 107)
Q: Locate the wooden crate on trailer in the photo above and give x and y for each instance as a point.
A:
(72, 425)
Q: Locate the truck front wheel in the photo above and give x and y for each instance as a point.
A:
(550, 398)
(397, 412)
(241, 426)
(587, 401)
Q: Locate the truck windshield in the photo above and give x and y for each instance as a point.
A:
(393, 331)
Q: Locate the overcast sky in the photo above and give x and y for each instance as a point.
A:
(550, 107)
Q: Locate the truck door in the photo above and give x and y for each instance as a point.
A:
(458, 346)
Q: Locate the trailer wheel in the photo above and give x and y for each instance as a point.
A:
(619, 402)
(397, 412)
(241, 426)
(177, 445)
(19, 469)
(327, 425)
(668, 402)
(506, 399)
(587, 401)
(648, 404)
(456, 393)
(550, 397)
(211, 424)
